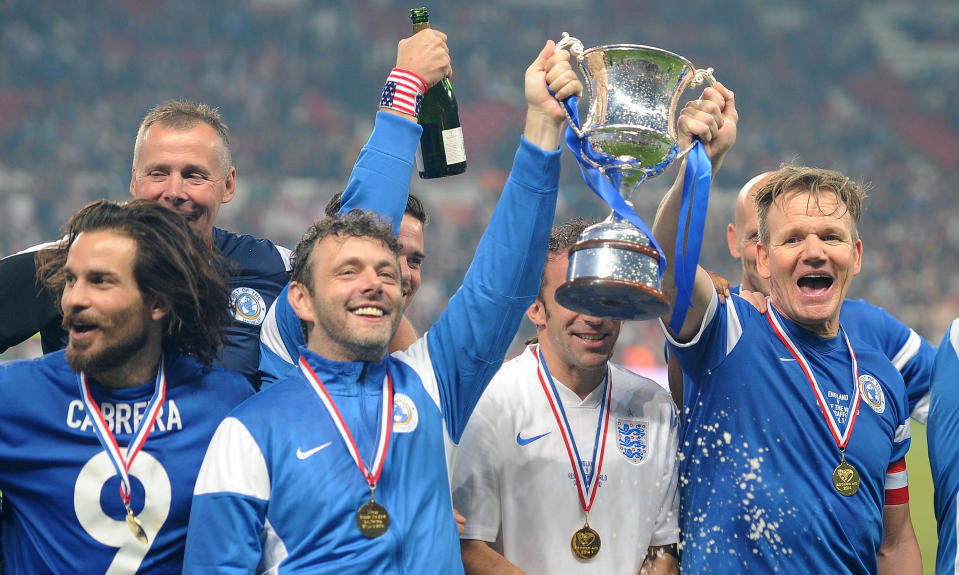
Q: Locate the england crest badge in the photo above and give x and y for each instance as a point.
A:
(632, 439)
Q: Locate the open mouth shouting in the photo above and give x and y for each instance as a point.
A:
(814, 285)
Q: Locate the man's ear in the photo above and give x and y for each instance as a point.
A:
(230, 185)
(133, 182)
(159, 310)
(301, 302)
(762, 261)
(733, 241)
(537, 314)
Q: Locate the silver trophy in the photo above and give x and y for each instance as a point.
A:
(629, 135)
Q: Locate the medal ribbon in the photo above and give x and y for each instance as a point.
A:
(108, 440)
(841, 438)
(386, 423)
(584, 482)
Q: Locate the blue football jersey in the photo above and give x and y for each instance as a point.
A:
(62, 506)
(278, 479)
(907, 350)
(758, 457)
(942, 435)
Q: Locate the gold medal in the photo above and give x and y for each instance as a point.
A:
(845, 478)
(585, 543)
(372, 519)
(136, 527)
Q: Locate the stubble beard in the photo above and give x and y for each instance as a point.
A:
(107, 359)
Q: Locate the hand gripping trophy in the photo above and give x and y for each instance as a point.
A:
(630, 135)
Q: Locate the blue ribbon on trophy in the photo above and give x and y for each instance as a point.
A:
(606, 186)
(696, 183)
(629, 136)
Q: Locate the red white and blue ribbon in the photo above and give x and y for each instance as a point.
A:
(121, 462)
(371, 474)
(404, 92)
(841, 437)
(586, 483)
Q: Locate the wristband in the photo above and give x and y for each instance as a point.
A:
(403, 92)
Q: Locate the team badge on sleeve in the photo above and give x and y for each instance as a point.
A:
(872, 392)
(247, 305)
(405, 416)
(632, 440)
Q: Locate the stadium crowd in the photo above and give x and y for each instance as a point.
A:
(293, 80)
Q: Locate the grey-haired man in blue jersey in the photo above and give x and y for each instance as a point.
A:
(796, 433)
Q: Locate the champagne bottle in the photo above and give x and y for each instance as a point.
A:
(441, 151)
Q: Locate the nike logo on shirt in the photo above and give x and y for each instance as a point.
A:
(527, 440)
(300, 454)
(787, 359)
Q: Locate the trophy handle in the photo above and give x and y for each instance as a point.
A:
(576, 49)
(700, 75)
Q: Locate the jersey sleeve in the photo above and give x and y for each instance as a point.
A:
(666, 529)
(228, 518)
(719, 333)
(896, 484)
(25, 306)
(942, 435)
(907, 350)
(469, 341)
(476, 474)
(914, 361)
(380, 181)
(280, 339)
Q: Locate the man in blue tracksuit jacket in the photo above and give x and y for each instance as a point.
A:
(342, 468)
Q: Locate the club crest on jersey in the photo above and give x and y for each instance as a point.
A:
(632, 440)
(405, 416)
(247, 305)
(872, 392)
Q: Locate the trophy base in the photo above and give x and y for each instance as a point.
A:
(614, 274)
(612, 299)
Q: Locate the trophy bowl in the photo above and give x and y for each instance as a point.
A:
(629, 135)
(614, 273)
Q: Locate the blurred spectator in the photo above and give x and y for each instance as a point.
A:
(292, 79)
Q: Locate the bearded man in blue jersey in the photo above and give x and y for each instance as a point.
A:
(796, 434)
(343, 467)
(101, 443)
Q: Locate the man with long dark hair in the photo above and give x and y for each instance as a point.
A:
(101, 443)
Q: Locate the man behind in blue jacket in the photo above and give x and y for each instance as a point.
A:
(343, 466)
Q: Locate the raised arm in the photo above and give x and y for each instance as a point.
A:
(713, 119)
(379, 182)
(468, 343)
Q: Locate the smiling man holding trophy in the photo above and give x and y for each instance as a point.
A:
(794, 443)
(568, 464)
